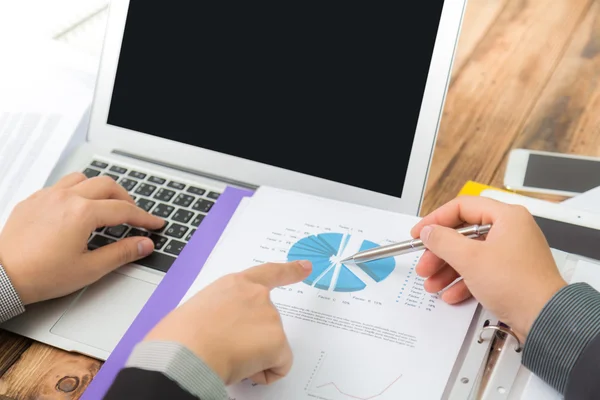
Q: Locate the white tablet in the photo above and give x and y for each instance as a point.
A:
(566, 229)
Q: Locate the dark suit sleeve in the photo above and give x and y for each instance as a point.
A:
(136, 383)
(584, 379)
(563, 345)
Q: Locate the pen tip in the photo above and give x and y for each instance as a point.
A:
(346, 259)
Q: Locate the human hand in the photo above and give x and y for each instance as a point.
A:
(43, 246)
(233, 326)
(511, 273)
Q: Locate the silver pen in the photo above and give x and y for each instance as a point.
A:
(410, 246)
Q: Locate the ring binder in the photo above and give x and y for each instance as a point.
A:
(504, 329)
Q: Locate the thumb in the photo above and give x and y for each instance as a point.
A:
(449, 245)
(115, 255)
(272, 275)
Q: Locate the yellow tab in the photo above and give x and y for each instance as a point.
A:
(472, 188)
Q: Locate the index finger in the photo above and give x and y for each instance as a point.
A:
(101, 188)
(469, 209)
(70, 180)
(117, 212)
(272, 275)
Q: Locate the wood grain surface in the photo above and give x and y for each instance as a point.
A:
(526, 75)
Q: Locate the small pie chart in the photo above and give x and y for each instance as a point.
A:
(324, 249)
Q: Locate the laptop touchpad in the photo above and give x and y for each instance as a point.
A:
(104, 311)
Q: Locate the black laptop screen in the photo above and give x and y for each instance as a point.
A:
(330, 89)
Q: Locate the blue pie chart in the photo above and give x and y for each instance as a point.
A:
(319, 249)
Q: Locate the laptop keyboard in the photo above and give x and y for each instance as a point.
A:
(183, 206)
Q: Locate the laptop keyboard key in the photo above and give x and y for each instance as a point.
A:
(145, 204)
(99, 164)
(116, 231)
(183, 216)
(163, 210)
(137, 175)
(137, 232)
(159, 230)
(157, 180)
(189, 235)
(196, 190)
(177, 231)
(145, 189)
(164, 195)
(213, 195)
(198, 219)
(203, 205)
(174, 247)
(184, 200)
(99, 241)
(118, 170)
(176, 185)
(90, 173)
(158, 261)
(115, 177)
(128, 184)
(159, 241)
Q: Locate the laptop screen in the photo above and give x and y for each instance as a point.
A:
(329, 89)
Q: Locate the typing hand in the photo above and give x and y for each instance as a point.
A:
(511, 273)
(233, 326)
(43, 246)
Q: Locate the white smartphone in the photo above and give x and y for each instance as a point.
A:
(551, 173)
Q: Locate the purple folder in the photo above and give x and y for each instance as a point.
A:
(171, 289)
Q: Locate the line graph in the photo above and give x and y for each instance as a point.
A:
(351, 379)
(358, 397)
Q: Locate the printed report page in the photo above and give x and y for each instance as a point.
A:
(358, 331)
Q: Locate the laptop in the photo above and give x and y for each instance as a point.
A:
(340, 100)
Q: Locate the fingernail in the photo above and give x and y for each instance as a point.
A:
(425, 233)
(145, 247)
(305, 264)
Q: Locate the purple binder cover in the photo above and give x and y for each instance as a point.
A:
(171, 290)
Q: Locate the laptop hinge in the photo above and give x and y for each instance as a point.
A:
(228, 181)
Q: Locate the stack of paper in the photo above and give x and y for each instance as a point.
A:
(588, 201)
(45, 93)
(45, 19)
(358, 331)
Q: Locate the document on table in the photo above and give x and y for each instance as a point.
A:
(31, 144)
(43, 18)
(365, 331)
(588, 201)
(45, 94)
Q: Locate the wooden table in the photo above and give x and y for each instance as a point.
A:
(527, 74)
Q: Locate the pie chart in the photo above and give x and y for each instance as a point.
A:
(325, 249)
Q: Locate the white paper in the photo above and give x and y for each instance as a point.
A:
(536, 388)
(382, 338)
(587, 272)
(44, 18)
(588, 201)
(45, 92)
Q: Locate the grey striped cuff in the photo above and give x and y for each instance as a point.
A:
(180, 365)
(566, 325)
(10, 302)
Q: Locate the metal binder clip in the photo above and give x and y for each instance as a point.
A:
(502, 329)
